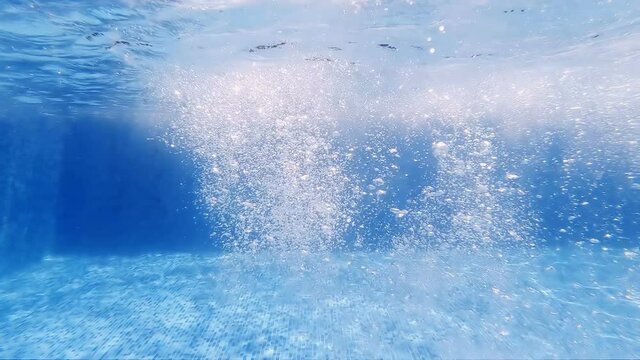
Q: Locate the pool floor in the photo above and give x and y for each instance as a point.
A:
(577, 301)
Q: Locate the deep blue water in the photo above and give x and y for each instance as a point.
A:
(364, 179)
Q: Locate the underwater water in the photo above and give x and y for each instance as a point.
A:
(319, 179)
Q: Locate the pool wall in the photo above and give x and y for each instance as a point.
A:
(94, 184)
(88, 185)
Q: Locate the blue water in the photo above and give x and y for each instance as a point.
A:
(305, 179)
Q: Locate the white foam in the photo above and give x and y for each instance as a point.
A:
(273, 125)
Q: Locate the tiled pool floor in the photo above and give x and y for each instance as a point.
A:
(571, 302)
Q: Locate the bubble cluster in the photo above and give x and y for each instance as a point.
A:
(263, 140)
(341, 143)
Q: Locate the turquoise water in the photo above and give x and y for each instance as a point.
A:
(302, 179)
